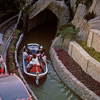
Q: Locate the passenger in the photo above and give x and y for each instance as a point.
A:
(25, 55)
(33, 62)
(29, 57)
(41, 49)
(2, 70)
(38, 54)
(44, 57)
(1, 59)
(1, 62)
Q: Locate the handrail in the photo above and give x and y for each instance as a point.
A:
(4, 51)
(5, 22)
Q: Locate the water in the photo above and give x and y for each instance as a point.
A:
(51, 87)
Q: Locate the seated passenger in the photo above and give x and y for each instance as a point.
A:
(29, 57)
(38, 54)
(33, 62)
(25, 55)
(2, 70)
(1, 59)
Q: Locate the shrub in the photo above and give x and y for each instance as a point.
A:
(68, 31)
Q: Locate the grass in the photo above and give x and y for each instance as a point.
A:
(91, 51)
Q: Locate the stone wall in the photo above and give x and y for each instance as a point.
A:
(59, 42)
(68, 78)
(94, 39)
(95, 7)
(88, 64)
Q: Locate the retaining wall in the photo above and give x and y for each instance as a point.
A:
(94, 39)
(88, 64)
(67, 77)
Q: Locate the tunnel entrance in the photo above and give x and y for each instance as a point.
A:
(44, 32)
(46, 16)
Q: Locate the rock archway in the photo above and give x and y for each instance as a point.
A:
(58, 8)
(43, 17)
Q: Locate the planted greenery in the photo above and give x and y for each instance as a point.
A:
(91, 51)
(68, 31)
(10, 53)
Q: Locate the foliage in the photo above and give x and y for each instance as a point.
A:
(91, 51)
(68, 31)
(10, 53)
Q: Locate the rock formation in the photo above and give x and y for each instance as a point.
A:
(58, 8)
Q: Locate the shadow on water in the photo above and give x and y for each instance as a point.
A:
(51, 87)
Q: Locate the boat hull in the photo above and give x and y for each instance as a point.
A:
(35, 75)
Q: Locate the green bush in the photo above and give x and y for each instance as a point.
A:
(91, 51)
(68, 31)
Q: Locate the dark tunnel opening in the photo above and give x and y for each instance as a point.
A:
(44, 32)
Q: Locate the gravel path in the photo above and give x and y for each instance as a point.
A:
(77, 71)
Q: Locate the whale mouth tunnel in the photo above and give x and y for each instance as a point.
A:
(42, 28)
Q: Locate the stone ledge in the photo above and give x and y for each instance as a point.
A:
(88, 64)
(70, 80)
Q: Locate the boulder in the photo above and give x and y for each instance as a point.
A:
(79, 16)
(73, 5)
(95, 7)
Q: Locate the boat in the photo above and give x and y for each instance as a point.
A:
(36, 71)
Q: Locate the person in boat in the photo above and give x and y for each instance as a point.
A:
(1, 65)
(1, 59)
(41, 49)
(29, 58)
(38, 54)
(25, 55)
(34, 61)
